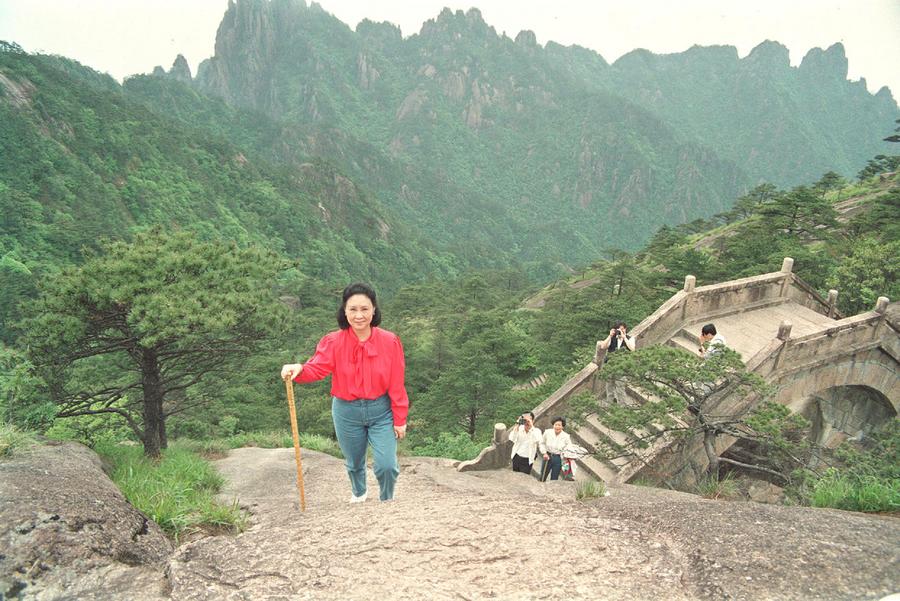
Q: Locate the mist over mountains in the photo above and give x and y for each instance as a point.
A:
(366, 154)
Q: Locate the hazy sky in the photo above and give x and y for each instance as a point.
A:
(123, 37)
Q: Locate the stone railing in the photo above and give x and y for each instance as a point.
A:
(493, 457)
(786, 357)
(846, 335)
(728, 297)
(557, 403)
(710, 301)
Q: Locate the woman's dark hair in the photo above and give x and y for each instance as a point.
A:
(352, 289)
(708, 329)
(559, 419)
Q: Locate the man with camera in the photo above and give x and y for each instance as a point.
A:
(526, 439)
(618, 339)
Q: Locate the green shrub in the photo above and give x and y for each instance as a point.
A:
(264, 440)
(868, 477)
(589, 489)
(91, 430)
(13, 440)
(177, 492)
(322, 444)
(856, 492)
(711, 487)
(209, 449)
(455, 446)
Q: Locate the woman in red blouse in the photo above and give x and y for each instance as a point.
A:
(369, 402)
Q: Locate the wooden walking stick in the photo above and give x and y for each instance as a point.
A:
(290, 396)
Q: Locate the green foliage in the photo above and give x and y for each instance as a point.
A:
(856, 492)
(20, 400)
(590, 489)
(878, 455)
(91, 430)
(872, 269)
(142, 324)
(683, 391)
(866, 477)
(14, 440)
(218, 447)
(177, 492)
(459, 446)
(712, 487)
(679, 384)
(881, 220)
(802, 212)
(332, 179)
(879, 164)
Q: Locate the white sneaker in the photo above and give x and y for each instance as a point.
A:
(360, 498)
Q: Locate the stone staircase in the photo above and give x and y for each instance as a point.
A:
(784, 331)
(747, 329)
(751, 313)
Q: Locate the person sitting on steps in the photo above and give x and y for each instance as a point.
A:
(711, 341)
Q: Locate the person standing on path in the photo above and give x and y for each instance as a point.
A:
(369, 403)
(553, 443)
(526, 439)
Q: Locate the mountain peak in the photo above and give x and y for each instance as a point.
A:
(527, 38)
(773, 54)
(830, 63)
(181, 70)
(458, 22)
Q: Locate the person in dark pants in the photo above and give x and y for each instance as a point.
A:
(552, 444)
(526, 439)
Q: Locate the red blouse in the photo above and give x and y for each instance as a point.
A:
(361, 370)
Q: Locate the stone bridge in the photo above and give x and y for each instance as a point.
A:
(840, 372)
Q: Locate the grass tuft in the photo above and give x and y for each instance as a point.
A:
(217, 448)
(177, 492)
(856, 493)
(712, 488)
(14, 441)
(589, 489)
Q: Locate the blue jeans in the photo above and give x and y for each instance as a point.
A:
(555, 465)
(367, 422)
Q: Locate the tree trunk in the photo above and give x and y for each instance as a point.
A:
(471, 428)
(163, 438)
(153, 418)
(709, 445)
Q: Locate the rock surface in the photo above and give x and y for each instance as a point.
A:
(448, 535)
(66, 531)
(500, 535)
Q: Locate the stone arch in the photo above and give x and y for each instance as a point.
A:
(845, 412)
(872, 369)
(847, 398)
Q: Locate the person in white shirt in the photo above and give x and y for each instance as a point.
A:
(552, 444)
(526, 439)
(711, 341)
